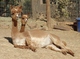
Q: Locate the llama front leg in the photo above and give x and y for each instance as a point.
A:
(32, 48)
(21, 46)
(30, 44)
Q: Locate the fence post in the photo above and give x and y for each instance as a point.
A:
(48, 14)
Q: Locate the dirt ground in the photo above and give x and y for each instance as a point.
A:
(7, 50)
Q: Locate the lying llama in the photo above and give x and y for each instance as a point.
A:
(41, 39)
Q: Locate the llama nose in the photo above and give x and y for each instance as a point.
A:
(26, 19)
(17, 15)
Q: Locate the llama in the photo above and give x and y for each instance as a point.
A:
(35, 38)
(24, 19)
(17, 37)
(42, 39)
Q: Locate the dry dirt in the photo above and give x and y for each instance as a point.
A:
(7, 51)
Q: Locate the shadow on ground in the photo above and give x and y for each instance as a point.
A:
(9, 39)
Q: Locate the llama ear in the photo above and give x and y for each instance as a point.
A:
(20, 7)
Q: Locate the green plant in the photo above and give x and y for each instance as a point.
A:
(27, 6)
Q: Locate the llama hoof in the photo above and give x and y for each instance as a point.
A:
(34, 50)
(70, 52)
(16, 46)
(65, 53)
(21, 47)
(26, 47)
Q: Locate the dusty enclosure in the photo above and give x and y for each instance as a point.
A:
(7, 50)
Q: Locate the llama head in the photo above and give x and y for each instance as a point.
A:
(24, 19)
(15, 11)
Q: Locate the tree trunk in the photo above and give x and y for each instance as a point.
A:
(48, 14)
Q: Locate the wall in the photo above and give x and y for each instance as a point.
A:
(39, 7)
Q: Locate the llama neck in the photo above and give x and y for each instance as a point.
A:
(14, 26)
(22, 28)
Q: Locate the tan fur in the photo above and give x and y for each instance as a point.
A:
(37, 39)
(24, 19)
(42, 39)
(17, 37)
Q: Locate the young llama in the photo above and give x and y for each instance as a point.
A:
(42, 39)
(24, 19)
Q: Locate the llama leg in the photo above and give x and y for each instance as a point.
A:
(32, 48)
(61, 44)
(20, 46)
(30, 44)
(53, 47)
(56, 40)
(69, 51)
